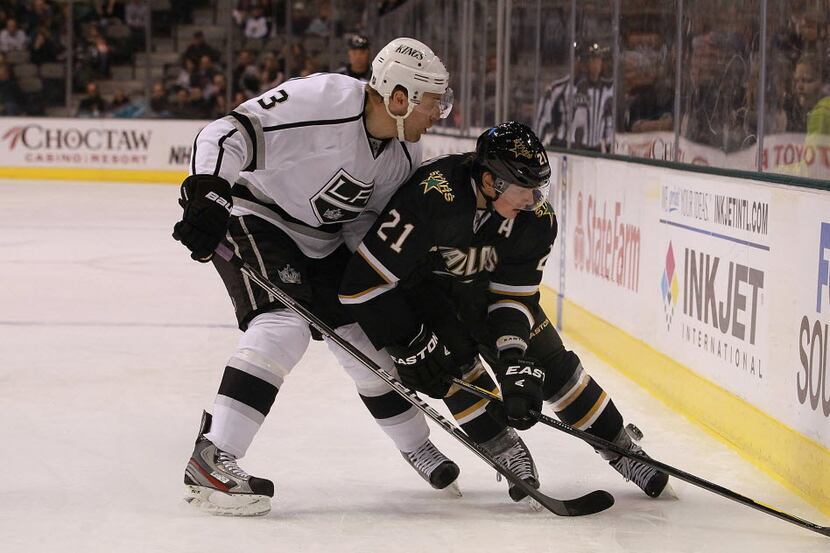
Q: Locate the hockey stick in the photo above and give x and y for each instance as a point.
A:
(668, 469)
(591, 503)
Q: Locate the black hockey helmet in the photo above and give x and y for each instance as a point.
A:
(514, 155)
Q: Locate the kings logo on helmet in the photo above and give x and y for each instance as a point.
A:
(409, 51)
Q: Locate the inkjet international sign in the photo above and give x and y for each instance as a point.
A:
(715, 279)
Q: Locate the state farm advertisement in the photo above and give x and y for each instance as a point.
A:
(605, 240)
(97, 143)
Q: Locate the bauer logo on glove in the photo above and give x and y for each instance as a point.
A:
(219, 200)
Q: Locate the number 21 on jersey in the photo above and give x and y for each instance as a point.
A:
(391, 224)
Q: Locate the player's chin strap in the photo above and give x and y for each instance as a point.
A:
(488, 201)
(399, 118)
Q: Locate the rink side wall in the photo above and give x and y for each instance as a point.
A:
(710, 291)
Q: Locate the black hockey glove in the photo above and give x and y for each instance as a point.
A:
(207, 203)
(425, 364)
(521, 382)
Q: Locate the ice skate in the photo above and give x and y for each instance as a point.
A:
(215, 483)
(647, 478)
(510, 451)
(434, 467)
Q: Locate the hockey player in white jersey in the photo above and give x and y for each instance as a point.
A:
(290, 179)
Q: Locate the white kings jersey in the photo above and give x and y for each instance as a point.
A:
(299, 156)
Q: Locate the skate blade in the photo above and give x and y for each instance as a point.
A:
(668, 492)
(453, 490)
(534, 505)
(219, 503)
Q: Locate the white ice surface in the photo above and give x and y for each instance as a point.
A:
(112, 341)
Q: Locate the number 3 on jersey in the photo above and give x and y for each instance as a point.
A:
(391, 224)
(273, 100)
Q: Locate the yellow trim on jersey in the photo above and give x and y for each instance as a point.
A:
(376, 265)
(511, 290)
(573, 393)
(365, 295)
(514, 305)
(581, 422)
(471, 409)
(783, 453)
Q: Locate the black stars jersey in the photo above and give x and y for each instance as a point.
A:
(301, 158)
(432, 228)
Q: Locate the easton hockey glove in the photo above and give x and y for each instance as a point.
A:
(521, 381)
(425, 364)
(207, 203)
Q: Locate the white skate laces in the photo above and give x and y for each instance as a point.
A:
(516, 460)
(229, 463)
(426, 458)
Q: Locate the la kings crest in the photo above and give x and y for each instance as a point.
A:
(342, 198)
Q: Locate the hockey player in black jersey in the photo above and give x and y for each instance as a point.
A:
(291, 179)
(452, 269)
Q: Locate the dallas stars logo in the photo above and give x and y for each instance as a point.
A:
(520, 149)
(544, 210)
(437, 181)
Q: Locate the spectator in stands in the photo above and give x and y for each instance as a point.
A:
(647, 102)
(322, 25)
(311, 66)
(812, 109)
(238, 98)
(135, 16)
(217, 87)
(42, 16)
(180, 106)
(359, 56)
(240, 12)
(13, 37)
(100, 53)
(11, 97)
(198, 106)
(93, 105)
(295, 59)
(300, 19)
(716, 90)
(245, 75)
(119, 100)
(159, 104)
(198, 48)
(205, 72)
(219, 107)
(273, 72)
(187, 74)
(44, 49)
(256, 25)
(776, 98)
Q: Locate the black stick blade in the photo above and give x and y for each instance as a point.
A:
(592, 503)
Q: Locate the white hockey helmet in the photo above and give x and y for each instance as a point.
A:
(413, 65)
